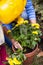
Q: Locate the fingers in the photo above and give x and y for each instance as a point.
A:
(13, 49)
(16, 44)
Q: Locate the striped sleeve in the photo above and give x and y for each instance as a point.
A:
(30, 10)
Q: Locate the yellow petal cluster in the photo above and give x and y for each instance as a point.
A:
(35, 32)
(26, 21)
(8, 31)
(13, 61)
(36, 25)
(10, 61)
(21, 21)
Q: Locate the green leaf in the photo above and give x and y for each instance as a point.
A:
(34, 43)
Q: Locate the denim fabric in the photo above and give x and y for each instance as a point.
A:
(8, 26)
(7, 40)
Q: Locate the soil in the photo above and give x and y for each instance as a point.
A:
(28, 50)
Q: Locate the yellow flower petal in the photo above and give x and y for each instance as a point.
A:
(35, 32)
(20, 20)
(10, 61)
(26, 21)
(8, 31)
(36, 25)
(15, 61)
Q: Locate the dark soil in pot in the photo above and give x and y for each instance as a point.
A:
(28, 50)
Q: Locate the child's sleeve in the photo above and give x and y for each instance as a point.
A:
(30, 10)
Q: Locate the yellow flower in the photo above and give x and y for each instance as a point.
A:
(20, 20)
(15, 61)
(36, 25)
(8, 31)
(26, 21)
(35, 32)
(10, 61)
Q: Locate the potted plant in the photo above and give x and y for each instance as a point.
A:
(28, 35)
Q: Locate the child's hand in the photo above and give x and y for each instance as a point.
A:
(16, 45)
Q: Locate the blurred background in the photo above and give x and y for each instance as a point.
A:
(38, 5)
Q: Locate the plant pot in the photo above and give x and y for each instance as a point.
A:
(30, 56)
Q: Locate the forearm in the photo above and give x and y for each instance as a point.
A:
(15, 44)
(30, 12)
(9, 35)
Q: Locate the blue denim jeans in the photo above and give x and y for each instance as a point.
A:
(7, 40)
(9, 26)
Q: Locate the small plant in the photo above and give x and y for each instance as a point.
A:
(27, 34)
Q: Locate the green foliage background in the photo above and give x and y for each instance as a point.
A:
(38, 5)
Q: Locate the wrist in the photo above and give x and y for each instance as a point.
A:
(33, 21)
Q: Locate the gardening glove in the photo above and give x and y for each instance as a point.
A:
(16, 45)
